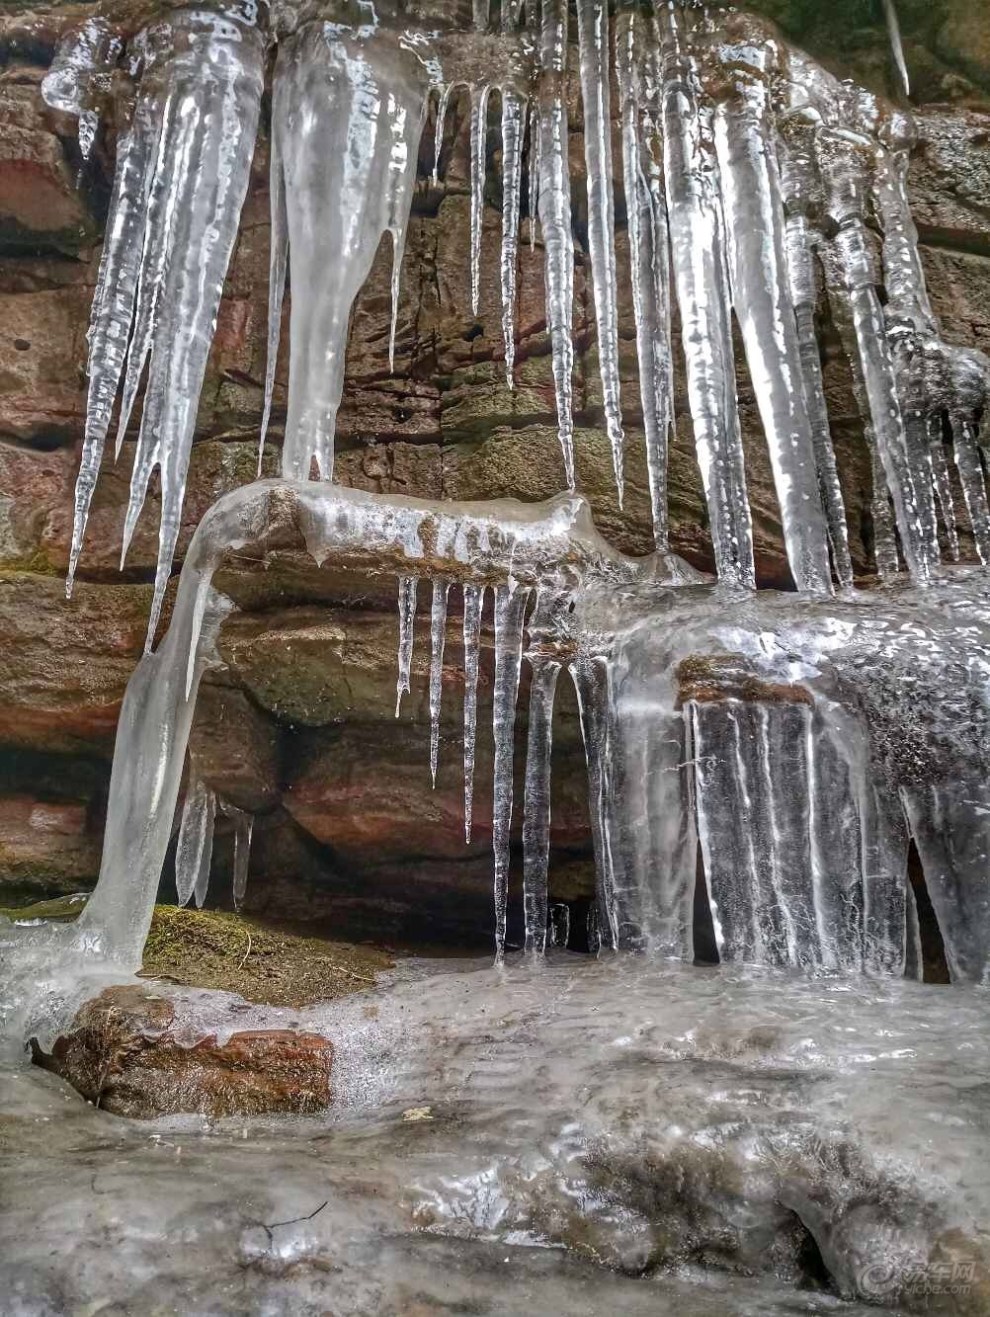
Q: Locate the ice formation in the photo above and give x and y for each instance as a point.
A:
(799, 741)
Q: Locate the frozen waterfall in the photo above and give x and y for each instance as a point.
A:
(797, 742)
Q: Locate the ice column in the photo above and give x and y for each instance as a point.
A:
(697, 234)
(846, 161)
(536, 808)
(510, 614)
(347, 114)
(555, 217)
(754, 221)
(802, 194)
(649, 258)
(593, 41)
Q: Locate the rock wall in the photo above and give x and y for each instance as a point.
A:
(300, 727)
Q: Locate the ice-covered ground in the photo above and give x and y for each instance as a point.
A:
(578, 1136)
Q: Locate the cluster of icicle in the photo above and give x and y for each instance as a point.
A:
(745, 169)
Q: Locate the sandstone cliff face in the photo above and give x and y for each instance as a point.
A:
(300, 727)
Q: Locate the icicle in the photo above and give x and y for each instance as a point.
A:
(943, 484)
(279, 251)
(194, 850)
(593, 41)
(80, 75)
(113, 304)
(973, 483)
(510, 613)
(479, 160)
(754, 221)
(481, 15)
(533, 195)
(442, 109)
(347, 115)
(801, 191)
(897, 46)
(243, 829)
(646, 212)
(555, 218)
(513, 126)
(438, 635)
(845, 168)
(536, 806)
(590, 678)
(698, 244)
(407, 622)
(560, 925)
(212, 76)
(474, 598)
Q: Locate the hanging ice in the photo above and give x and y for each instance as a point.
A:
(513, 129)
(407, 622)
(698, 245)
(181, 178)
(347, 114)
(555, 217)
(474, 597)
(510, 613)
(194, 851)
(649, 243)
(438, 635)
(479, 138)
(593, 39)
(536, 805)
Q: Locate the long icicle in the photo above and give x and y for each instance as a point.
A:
(593, 43)
(973, 482)
(407, 624)
(474, 598)
(278, 262)
(243, 831)
(510, 613)
(438, 635)
(536, 802)
(479, 158)
(113, 305)
(513, 127)
(555, 219)
(195, 843)
(754, 222)
(697, 233)
(649, 268)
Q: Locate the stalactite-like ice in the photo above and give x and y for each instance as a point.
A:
(649, 257)
(697, 235)
(513, 130)
(243, 830)
(536, 805)
(194, 851)
(347, 114)
(407, 625)
(474, 598)
(510, 612)
(181, 179)
(593, 41)
(438, 635)
(479, 158)
(555, 218)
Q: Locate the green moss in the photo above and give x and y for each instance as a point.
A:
(270, 965)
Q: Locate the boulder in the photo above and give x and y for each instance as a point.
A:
(129, 1053)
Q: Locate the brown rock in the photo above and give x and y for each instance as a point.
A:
(40, 205)
(127, 1053)
(64, 664)
(42, 358)
(47, 844)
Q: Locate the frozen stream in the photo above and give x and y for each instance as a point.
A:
(662, 1140)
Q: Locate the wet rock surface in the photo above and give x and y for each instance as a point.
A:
(127, 1053)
